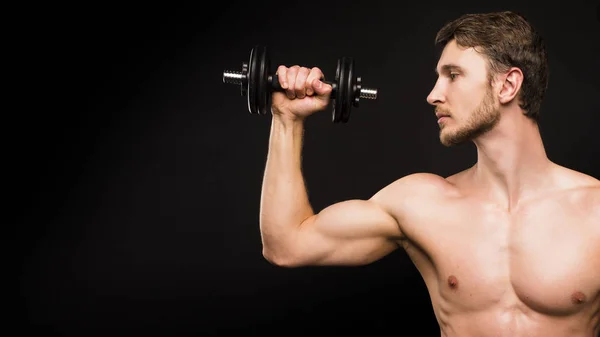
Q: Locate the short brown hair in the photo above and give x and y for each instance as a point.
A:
(508, 40)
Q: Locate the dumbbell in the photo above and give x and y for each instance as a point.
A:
(257, 84)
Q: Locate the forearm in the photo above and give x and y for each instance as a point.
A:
(284, 199)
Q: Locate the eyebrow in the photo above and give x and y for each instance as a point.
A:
(448, 68)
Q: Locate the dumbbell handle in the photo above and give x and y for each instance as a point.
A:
(274, 80)
(366, 93)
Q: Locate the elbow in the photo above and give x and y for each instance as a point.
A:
(280, 259)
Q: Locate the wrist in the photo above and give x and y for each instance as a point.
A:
(288, 121)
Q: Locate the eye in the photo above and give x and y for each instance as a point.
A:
(453, 76)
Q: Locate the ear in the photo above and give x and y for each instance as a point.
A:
(509, 89)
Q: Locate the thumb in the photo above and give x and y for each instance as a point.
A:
(321, 88)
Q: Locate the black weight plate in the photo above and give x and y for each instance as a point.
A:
(339, 105)
(253, 65)
(348, 90)
(263, 92)
(334, 95)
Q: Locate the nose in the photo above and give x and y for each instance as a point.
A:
(436, 96)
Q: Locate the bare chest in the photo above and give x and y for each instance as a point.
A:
(541, 258)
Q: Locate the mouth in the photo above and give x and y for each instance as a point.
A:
(441, 116)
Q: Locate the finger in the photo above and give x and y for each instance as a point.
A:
(292, 72)
(282, 76)
(315, 74)
(321, 88)
(301, 82)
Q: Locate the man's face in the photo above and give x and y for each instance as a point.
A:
(463, 96)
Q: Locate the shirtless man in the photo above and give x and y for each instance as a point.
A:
(508, 247)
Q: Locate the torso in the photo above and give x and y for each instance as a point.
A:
(532, 271)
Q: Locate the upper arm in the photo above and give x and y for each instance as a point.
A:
(358, 232)
(351, 232)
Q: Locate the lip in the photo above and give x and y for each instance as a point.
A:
(440, 115)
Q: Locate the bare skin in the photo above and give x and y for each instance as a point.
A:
(507, 247)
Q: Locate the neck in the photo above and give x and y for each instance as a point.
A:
(511, 160)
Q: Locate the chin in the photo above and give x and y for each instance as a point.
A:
(446, 132)
(450, 138)
(446, 141)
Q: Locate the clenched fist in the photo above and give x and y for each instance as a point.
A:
(304, 92)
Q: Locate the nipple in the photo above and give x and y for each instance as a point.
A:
(578, 297)
(453, 282)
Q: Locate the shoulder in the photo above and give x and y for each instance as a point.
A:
(417, 185)
(582, 190)
(579, 184)
(578, 178)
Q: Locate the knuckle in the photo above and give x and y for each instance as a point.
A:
(317, 76)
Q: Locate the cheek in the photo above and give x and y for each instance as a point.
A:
(461, 103)
(465, 99)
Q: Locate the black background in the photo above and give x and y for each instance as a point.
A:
(136, 172)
